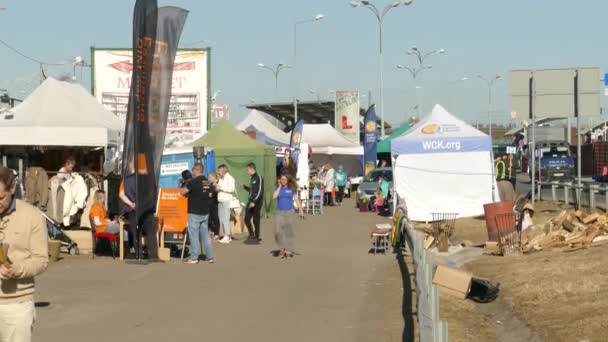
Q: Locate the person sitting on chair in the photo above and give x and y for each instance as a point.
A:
(99, 220)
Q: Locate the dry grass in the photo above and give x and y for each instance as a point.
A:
(470, 229)
(465, 322)
(562, 296)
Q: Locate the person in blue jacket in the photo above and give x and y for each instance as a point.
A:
(341, 179)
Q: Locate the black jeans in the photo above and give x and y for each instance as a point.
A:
(254, 214)
(340, 193)
(147, 224)
(214, 220)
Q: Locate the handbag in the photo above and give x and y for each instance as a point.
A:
(234, 202)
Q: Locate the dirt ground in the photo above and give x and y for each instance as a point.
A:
(561, 296)
(333, 291)
(550, 296)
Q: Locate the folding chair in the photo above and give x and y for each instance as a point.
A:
(315, 203)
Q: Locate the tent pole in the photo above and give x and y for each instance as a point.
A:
(493, 179)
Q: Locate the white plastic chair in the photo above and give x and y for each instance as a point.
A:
(315, 204)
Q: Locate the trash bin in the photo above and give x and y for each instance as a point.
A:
(491, 210)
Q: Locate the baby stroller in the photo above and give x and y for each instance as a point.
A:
(55, 233)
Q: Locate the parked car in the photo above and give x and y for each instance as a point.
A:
(556, 161)
(370, 183)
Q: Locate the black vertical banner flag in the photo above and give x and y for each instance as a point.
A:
(156, 34)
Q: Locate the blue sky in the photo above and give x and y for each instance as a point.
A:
(481, 37)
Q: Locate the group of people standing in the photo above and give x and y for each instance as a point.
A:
(204, 194)
(213, 201)
(334, 183)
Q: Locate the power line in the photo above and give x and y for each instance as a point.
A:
(15, 50)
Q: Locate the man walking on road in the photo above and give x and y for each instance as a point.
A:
(23, 231)
(200, 196)
(254, 203)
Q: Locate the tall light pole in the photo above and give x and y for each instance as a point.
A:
(417, 69)
(490, 83)
(275, 72)
(380, 15)
(316, 18)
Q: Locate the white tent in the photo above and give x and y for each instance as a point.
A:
(268, 133)
(325, 139)
(443, 165)
(60, 114)
(330, 147)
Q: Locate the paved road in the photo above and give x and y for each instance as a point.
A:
(247, 295)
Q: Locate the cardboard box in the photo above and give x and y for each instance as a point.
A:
(453, 281)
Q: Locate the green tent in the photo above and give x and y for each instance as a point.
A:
(235, 149)
(384, 146)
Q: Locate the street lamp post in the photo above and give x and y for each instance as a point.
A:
(275, 72)
(417, 69)
(317, 18)
(490, 83)
(380, 15)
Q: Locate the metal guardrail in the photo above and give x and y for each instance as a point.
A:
(582, 198)
(430, 327)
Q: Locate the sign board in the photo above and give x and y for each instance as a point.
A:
(347, 112)
(511, 150)
(219, 112)
(173, 210)
(173, 168)
(188, 111)
(555, 92)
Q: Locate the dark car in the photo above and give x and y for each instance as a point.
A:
(370, 182)
(556, 161)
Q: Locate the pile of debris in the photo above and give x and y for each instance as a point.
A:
(569, 231)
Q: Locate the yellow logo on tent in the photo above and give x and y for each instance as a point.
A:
(296, 138)
(370, 127)
(431, 129)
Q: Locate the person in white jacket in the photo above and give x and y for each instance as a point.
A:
(226, 189)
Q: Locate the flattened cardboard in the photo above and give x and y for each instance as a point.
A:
(453, 281)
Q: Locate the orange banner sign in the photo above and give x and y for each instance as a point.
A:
(172, 210)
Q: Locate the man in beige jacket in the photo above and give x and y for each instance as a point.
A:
(23, 228)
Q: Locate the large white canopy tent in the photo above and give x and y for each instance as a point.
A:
(60, 114)
(443, 165)
(330, 146)
(267, 133)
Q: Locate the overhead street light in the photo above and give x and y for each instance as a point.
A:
(490, 83)
(275, 72)
(314, 19)
(380, 15)
(417, 69)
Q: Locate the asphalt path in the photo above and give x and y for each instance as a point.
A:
(324, 294)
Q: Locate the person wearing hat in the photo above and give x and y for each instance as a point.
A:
(341, 179)
(526, 217)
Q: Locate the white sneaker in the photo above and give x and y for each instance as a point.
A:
(225, 240)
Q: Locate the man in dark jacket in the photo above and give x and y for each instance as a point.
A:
(254, 203)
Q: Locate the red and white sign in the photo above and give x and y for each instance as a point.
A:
(219, 112)
(347, 114)
(188, 109)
